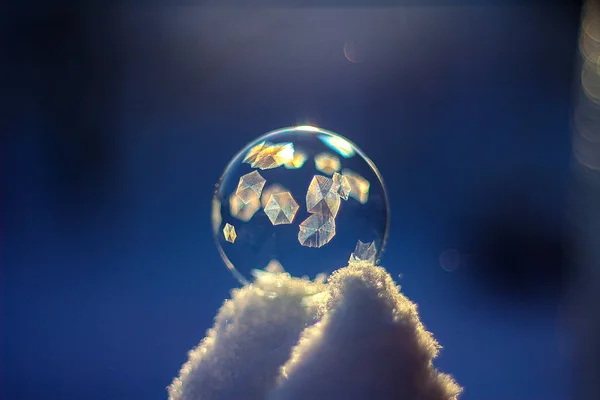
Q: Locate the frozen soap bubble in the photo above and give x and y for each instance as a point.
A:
(302, 196)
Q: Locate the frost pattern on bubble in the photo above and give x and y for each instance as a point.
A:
(229, 233)
(267, 156)
(242, 210)
(274, 156)
(321, 197)
(253, 153)
(297, 161)
(250, 186)
(364, 252)
(327, 163)
(281, 208)
(341, 185)
(359, 186)
(279, 213)
(317, 230)
(269, 190)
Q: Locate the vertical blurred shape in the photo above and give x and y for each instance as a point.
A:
(63, 69)
(585, 208)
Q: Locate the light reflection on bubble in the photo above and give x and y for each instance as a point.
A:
(305, 128)
(339, 145)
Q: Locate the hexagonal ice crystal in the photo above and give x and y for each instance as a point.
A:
(364, 252)
(341, 185)
(250, 185)
(321, 197)
(327, 163)
(269, 190)
(229, 233)
(281, 208)
(359, 186)
(244, 211)
(266, 155)
(253, 153)
(297, 161)
(317, 230)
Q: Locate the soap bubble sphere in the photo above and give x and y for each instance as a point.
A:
(301, 197)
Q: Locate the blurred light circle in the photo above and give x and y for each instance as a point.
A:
(351, 52)
(450, 259)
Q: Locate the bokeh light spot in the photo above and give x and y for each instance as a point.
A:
(450, 259)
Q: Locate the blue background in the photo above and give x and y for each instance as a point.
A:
(121, 121)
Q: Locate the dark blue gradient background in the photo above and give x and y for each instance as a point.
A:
(121, 121)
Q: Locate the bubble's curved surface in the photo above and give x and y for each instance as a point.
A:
(303, 196)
